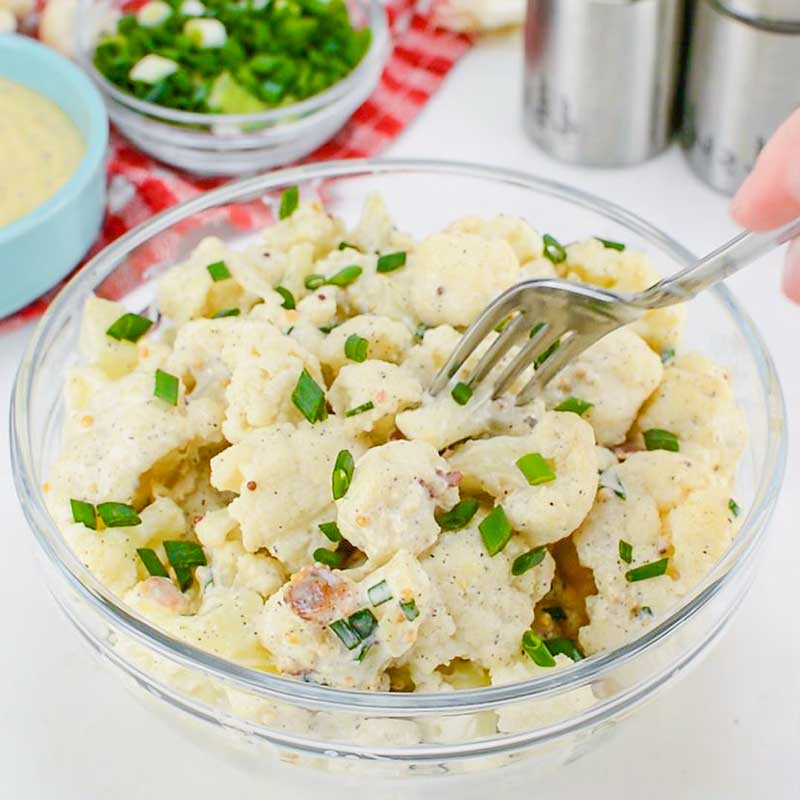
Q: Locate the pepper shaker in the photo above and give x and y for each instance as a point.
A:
(743, 81)
(601, 78)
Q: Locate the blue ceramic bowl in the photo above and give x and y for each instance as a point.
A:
(39, 249)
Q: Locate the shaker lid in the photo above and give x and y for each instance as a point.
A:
(767, 10)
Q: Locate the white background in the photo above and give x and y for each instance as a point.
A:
(731, 729)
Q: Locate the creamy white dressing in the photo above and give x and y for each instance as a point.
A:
(40, 148)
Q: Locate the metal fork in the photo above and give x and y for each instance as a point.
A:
(555, 320)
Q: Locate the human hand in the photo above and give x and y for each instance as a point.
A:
(770, 197)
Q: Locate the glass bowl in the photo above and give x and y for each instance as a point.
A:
(234, 144)
(385, 733)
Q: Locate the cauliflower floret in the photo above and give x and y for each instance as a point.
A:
(695, 401)
(387, 387)
(670, 510)
(375, 231)
(308, 224)
(455, 275)
(319, 307)
(114, 357)
(390, 504)
(427, 357)
(215, 526)
(388, 339)
(283, 476)
(229, 564)
(548, 511)
(616, 375)
(524, 240)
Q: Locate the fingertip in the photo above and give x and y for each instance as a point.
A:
(791, 273)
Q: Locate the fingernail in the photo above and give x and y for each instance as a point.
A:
(791, 274)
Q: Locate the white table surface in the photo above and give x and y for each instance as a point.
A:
(730, 729)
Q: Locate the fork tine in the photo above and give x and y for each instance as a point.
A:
(552, 366)
(498, 348)
(495, 313)
(539, 343)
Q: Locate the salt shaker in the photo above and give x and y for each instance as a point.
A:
(601, 78)
(743, 81)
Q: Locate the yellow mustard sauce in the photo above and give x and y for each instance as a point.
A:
(40, 148)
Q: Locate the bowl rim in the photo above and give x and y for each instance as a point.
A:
(737, 558)
(379, 42)
(65, 72)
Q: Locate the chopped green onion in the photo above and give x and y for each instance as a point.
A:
(610, 244)
(368, 406)
(609, 479)
(535, 649)
(656, 439)
(495, 530)
(331, 530)
(330, 558)
(459, 515)
(646, 571)
(561, 645)
(645, 611)
(667, 355)
(535, 329)
(363, 652)
(391, 261)
(226, 312)
(309, 398)
(461, 393)
(346, 245)
(419, 332)
(290, 199)
(410, 609)
(363, 622)
(503, 324)
(118, 515)
(167, 387)
(129, 328)
(347, 636)
(557, 614)
(733, 506)
(625, 551)
(535, 469)
(329, 327)
(553, 249)
(183, 555)
(152, 563)
(356, 348)
(288, 298)
(83, 512)
(528, 560)
(575, 405)
(314, 281)
(542, 357)
(218, 271)
(344, 277)
(342, 474)
(379, 594)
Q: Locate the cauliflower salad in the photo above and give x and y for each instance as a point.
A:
(257, 468)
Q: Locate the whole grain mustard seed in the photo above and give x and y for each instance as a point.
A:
(252, 485)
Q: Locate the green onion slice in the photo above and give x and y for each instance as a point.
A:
(461, 393)
(459, 515)
(288, 298)
(528, 560)
(652, 570)
(356, 348)
(733, 506)
(645, 611)
(667, 355)
(330, 558)
(118, 515)
(129, 328)
(347, 245)
(542, 357)
(83, 512)
(656, 439)
(363, 652)
(363, 622)
(419, 332)
(561, 645)
(314, 281)
(368, 406)
(309, 398)
(391, 261)
(342, 474)
(167, 387)
(380, 593)
(152, 563)
(183, 556)
(535, 649)
(553, 249)
(331, 530)
(218, 271)
(575, 405)
(347, 636)
(535, 469)
(226, 312)
(290, 199)
(344, 277)
(503, 324)
(557, 614)
(625, 551)
(495, 530)
(610, 244)
(410, 609)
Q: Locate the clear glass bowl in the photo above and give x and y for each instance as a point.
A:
(384, 733)
(234, 144)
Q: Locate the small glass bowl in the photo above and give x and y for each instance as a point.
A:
(235, 144)
(383, 733)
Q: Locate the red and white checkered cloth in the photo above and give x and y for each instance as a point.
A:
(140, 186)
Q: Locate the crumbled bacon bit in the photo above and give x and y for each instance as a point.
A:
(252, 485)
(452, 478)
(198, 518)
(313, 593)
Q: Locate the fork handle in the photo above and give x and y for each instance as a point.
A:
(717, 266)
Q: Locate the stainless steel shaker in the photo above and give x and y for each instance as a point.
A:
(601, 78)
(743, 81)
